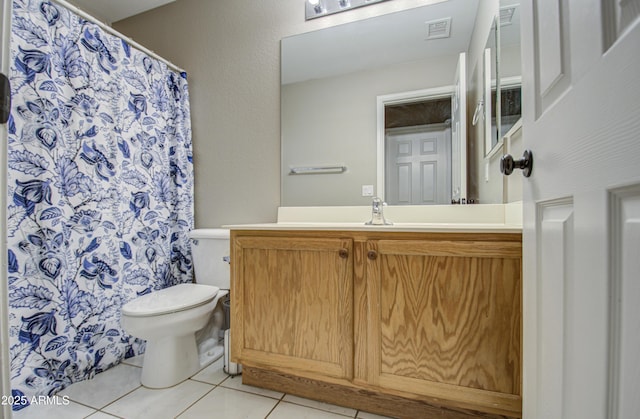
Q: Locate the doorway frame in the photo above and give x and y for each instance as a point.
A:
(398, 99)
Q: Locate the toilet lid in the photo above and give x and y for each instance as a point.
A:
(170, 300)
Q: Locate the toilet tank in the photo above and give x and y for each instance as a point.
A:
(210, 252)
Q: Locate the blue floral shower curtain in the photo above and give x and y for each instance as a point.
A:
(100, 193)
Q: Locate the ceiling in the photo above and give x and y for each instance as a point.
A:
(109, 11)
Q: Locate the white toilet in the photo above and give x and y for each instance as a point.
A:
(169, 319)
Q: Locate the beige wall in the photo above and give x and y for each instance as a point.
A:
(231, 51)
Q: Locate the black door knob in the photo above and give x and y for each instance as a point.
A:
(507, 164)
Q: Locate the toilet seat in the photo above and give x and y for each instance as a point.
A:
(170, 300)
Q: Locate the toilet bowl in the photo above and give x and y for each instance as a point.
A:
(168, 319)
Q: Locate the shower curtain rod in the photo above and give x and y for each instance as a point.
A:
(112, 31)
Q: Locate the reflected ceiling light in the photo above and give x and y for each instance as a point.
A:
(318, 8)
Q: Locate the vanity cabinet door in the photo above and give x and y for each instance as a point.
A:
(293, 304)
(445, 320)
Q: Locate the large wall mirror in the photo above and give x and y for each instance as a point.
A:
(503, 77)
(509, 65)
(332, 80)
(489, 106)
(500, 78)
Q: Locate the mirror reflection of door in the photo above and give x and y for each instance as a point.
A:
(418, 152)
(419, 165)
(446, 105)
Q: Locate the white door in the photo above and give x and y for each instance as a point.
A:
(581, 91)
(418, 165)
(459, 131)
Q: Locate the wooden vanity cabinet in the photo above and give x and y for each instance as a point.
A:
(292, 303)
(445, 320)
(401, 324)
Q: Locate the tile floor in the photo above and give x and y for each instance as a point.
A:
(117, 393)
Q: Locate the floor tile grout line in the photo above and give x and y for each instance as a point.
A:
(202, 397)
(219, 385)
(207, 382)
(118, 398)
(274, 407)
(141, 386)
(317, 408)
(84, 404)
(106, 413)
(92, 413)
(99, 409)
(250, 392)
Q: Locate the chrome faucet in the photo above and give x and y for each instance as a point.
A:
(377, 214)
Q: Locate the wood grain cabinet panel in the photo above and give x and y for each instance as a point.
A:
(294, 303)
(445, 319)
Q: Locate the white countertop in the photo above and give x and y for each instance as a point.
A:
(488, 218)
(397, 227)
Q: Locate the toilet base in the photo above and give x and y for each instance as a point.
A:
(182, 352)
(171, 355)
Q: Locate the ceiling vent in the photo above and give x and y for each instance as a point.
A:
(506, 14)
(440, 28)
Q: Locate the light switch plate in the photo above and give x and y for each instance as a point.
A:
(367, 190)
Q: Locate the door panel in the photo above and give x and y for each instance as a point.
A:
(418, 170)
(625, 310)
(553, 67)
(429, 191)
(581, 105)
(556, 236)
